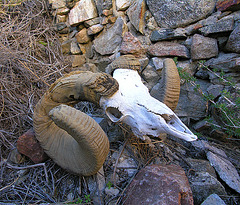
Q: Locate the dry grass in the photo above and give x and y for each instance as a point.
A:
(30, 60)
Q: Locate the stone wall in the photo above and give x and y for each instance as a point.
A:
(95, 32)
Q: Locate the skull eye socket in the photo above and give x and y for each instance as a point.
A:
(114, 114)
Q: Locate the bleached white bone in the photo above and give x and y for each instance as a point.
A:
(133, 105)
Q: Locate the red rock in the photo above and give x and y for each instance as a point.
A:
(159, 184)
(28, 145)
(131, 45)
(223, 5)
(166, 48)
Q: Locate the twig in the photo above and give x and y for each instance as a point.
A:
(31, 166)
(115, 168)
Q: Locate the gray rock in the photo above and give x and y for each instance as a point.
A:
(94, 29)
(75, 50)
(227, 62)
(215, 90)
(223, 25)
(136, 15)
(150, 75)
(166, 48)
(82, 11)
(167, 34)
(66, 46)
(92, 22)
(158, 63)
(202, 74)
(57, 4)
(203, 47)
(112, 191)
(224, 168)
(110, 39)
(191, 104)
(170, 14)
(233, 44)
(122, 5)
(143, 62)
(203, 184)
(213, 199)
(200, 165)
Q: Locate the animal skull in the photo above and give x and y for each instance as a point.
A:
(133, 105)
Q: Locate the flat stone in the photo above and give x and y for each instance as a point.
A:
(57, 4)
(233, 43)
(215, 90)
(223, 25)
(66, 47)
(16, 157)
(225, 169)
(213, 199)
(150, 75)
(78, 60)
(136, 15)
(82, 11)
(202, 126)
(200, 165)
(204, 184)
(228, 62)
(224, 5)
(203, 47)
(122, 5)
(92, 22)
(109, 39)
(131, 45)
(158, 63)
(167, 34)
(112, 191)
(62, 11)
(28, 145)
(107, 12)
(169, 14)
(94, 29)
(196, 106)
(75, 50)
(159, 184)
(82, 36)
(165, 48)
(61, 18)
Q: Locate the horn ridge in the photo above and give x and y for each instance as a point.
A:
(71, 138)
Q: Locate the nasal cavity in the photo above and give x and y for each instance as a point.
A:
(114, 114)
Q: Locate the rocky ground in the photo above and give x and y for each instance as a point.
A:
(201, 36)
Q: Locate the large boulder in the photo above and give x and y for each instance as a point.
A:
(173, 14)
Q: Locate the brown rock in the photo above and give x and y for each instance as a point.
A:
(82, 36)
(159, 184)
(131, 45)
(165, 48)
(223, 5)
(78, 60)
(28, 145)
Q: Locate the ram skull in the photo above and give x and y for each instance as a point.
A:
(75, 141)
(133, 105)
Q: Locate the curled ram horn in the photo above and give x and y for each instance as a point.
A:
(71, 138)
